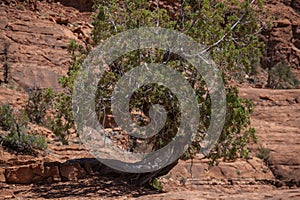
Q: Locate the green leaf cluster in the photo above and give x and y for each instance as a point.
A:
(38, 104)
(280, 76)
(15, 123)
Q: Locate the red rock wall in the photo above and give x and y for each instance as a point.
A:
(283, 40)
(36, 41)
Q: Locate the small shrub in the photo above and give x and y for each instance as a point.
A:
(281, 77)
(6, 117)
(17, 140)
(72, 46)
(63, 122)
(38, 103)
(156, 184)
(263, 153)
(23, 142)
(182, 180)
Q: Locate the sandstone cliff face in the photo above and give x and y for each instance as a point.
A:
(81, 5)
(33, 42)
(283, 40)
(276, 119)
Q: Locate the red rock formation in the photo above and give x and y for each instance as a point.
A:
(283, 40)
(36, 42)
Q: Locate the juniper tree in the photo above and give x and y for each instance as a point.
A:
(228, 29)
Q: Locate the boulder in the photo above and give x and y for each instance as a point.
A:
(2, 175)
(72, 171)
(23, 174)
(51, 173)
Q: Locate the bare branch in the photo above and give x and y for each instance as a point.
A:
(226, 34)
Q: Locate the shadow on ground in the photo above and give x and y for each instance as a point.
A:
(94, 186)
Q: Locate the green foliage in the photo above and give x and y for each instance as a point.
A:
(39, 102)
(15, 123)
(112, 19)
(62, 124)
(229, 29)
(24, 142)
(263, 153)
(6, 117)
(72, 46)
(236, 132)
(12, 119)
(78, 55)
(156, 184)
(182, 180)
(232, 45)
(281, 77)
(55, 109)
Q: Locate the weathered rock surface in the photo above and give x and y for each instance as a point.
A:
(208, 194)
(22, 174)
(277, 120)
(283, 41)
(47, 172)
(198, 173)
(81, 5)
(2, 177)
(72, 171)
(33, 43)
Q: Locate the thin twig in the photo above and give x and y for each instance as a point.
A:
(182, 14)
(113, 22)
